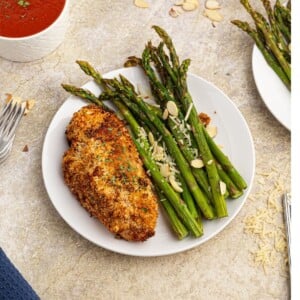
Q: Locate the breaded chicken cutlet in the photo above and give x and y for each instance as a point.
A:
(102, 168)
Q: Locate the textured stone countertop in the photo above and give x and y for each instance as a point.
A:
(58, 262)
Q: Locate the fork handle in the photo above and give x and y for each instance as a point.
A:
(287, 217)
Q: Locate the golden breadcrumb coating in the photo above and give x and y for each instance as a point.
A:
(103, 170)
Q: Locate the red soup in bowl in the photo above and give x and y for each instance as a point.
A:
(21, 18)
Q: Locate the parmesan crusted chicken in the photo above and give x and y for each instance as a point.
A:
(103, 170)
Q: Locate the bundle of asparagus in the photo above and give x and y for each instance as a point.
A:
(171, 139)
(272, 35)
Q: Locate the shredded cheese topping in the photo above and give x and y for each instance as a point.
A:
(266, 224)
(159, 153)
(184, 129)
(188, 112)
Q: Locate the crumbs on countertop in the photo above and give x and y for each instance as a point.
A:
(29, 104)
(25, 149)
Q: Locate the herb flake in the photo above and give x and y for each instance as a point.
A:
(23, 3)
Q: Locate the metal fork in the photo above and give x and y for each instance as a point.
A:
(6, 150)
(10, 117)
(286, 201)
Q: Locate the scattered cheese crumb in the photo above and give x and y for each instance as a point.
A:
(267, 227)
(188, 112)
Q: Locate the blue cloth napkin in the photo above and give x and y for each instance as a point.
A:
(13, 286)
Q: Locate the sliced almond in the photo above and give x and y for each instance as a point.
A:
(141, 3)
(197, 163)
(165, 170)
(213, 15)
(210, 162)
(175, 184)
(211, 130)
(196, 2)
(165, 114)
(223, 187)
(151, 138)
(175, 11)
(211, 4)
(189, 6)
(179, 3)
(172, 108)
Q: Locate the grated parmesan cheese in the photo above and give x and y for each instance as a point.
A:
(267, 227)
(164, 161)
(188, 112)
(183, 127)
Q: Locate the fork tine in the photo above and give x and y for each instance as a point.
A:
(14, 123)
(9, 115)
(4, 149)
(10, 122)
(5, 109)
(5, 154)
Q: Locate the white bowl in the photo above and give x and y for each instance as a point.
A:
(36, 46)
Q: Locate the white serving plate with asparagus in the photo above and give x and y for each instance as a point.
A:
(271, 56)
(233, 135)
(201, 183)
(273, 92)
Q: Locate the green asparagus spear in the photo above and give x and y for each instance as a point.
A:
(176, 224)
(271, 60)
(274, 28)
(269, 38)
(197, 128)
(180, 160)
(185, 169)
(272, 37)
(233, 190)
(283, 19)
(164, 96)
(143, 148)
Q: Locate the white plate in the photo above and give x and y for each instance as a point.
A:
(233, 134)
(273, 92)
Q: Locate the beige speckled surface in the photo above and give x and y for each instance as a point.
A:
(58, 262)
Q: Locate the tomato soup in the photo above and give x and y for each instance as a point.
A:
(20, 18)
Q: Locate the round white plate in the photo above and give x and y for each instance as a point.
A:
(272, 90)
(233, 134)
